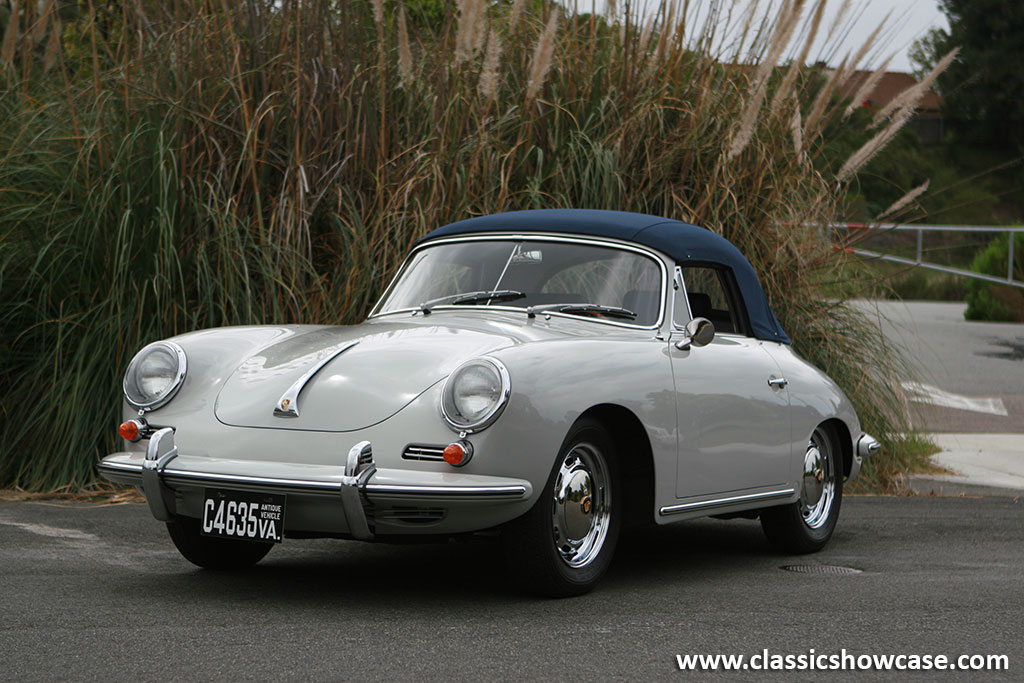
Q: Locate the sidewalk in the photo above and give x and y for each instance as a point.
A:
(983, 464)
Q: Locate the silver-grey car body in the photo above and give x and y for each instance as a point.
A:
(350, 423)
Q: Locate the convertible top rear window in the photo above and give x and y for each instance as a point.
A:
(591, 280)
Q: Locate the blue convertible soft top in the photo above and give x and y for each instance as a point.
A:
(683, 242)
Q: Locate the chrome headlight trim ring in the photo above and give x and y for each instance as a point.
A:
(493, 413)
(175, 385)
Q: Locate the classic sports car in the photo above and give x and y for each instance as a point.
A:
(548, 374)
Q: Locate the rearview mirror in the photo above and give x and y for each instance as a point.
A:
(699, 331)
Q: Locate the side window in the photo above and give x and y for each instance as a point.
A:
(708, 295)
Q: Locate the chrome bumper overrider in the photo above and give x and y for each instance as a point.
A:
(359, 483)
(867, 445)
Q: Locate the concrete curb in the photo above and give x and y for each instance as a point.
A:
(945, 486)
(981, 465)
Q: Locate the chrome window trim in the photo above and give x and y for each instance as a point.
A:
(676, 327)
(175, 386)
(677, 278)
(487, 420)
(537, 237)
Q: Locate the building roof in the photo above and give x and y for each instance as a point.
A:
(681, 241)
(890, 86)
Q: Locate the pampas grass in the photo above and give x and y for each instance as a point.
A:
(540, 64)
(10, 42)
(151, 185)
(404, 51)
(788, 17)
(909, 98)
(866, 88)
(488, 86)
(472, 19)
(905, 200)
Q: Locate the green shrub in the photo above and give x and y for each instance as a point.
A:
(989, 300)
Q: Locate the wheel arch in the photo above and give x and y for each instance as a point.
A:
(636, 460)
(842, 433)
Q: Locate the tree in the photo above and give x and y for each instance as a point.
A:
(983, 90)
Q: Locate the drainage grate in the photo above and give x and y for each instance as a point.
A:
(827, 569)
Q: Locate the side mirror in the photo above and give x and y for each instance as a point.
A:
(699, 331)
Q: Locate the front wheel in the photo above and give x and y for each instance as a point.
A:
(564, 544)
(806, 525)
(213, 553)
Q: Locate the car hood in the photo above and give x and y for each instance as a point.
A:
(379, 368)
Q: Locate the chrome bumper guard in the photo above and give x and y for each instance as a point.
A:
(355, 487)
(867, 445)
(359, 468)
(160, 451)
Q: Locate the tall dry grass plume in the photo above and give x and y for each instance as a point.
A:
(909, 98)
(905, 200)
(153, 185)
(10, 41)
(489, 74)
(472, 18)
(404, 50)
(515, 14)
(786, 23)
(543, 54)
(866, 88)
(785, 89)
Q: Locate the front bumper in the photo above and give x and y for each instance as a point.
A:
(867, 446)
(358, 500)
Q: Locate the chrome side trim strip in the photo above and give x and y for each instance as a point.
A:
(508, 491)
(718, 502)
(288, 404)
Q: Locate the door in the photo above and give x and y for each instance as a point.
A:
(731, 399)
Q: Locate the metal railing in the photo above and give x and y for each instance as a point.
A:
(919, 260)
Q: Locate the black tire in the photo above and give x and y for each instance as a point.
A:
(807, 525)
(214, 553)
(564, 544)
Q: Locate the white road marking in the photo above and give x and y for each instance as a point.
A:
(926, 393)
(52, 531)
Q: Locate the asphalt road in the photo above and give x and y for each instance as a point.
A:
(99, 593)
(972, 359)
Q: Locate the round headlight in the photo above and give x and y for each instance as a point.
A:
(474, 395)
(154, 375)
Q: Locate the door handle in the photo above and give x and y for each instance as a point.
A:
(779, 382)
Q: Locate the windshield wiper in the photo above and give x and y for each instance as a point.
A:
(472, 298)
(586, 309)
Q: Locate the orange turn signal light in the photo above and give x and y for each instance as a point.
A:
(458, 454)
(129, 430)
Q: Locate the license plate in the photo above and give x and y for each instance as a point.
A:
(243, 516)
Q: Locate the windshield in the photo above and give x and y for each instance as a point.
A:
(597, 281)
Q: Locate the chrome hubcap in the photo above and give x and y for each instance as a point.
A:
(580, 511)
(819, 486)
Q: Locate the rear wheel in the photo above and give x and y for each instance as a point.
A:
(564, 544)
(211, 552)
(806, 525)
